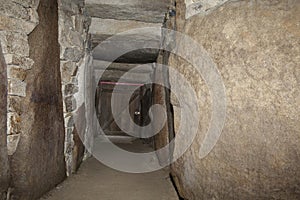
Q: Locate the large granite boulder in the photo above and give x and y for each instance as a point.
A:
(256, 46)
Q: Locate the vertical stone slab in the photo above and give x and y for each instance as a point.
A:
(4, 167)
(255, 46)
(162, 138)
(38, 163)
(78, 151)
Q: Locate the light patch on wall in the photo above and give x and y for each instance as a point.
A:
(12, 143)
(194, 7)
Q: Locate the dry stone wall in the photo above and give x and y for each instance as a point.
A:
(255, 45)
(17, 21)
(73, 39)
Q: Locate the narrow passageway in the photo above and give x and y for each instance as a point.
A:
(128, 79)
(96, 181)
(149, 99)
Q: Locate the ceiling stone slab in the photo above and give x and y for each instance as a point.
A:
(125, 13)
(135, 68)
(113, 18)
(141, 56)
(116, 76)
(138, 10)
(112, 26)
(140, 41)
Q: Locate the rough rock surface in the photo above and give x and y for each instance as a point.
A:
(161, 139)
(194, 7)
(121, 76)
(255, 45)
(73, 39)
(17, 20)
(142, 10)
(38, 163)
(102, 29)
(4, 167)
(136, 68)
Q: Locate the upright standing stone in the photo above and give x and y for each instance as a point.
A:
(4, 176)
(38, 164)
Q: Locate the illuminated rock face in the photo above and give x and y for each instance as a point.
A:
(142, 10)
(73, 39)
(255, 45)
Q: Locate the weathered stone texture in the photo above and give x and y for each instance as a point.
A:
(199, 7)
(4, 167)
(37, 165)
(17, 20)
(17, 87)
(8, 23)
(14, 43)
(73, 39)
(142, 10)
(256, 47)
(161, 139)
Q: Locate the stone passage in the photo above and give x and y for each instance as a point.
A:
(96, 181)
(58, 73)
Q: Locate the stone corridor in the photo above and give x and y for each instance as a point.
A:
(149, 99)
(96, 181)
